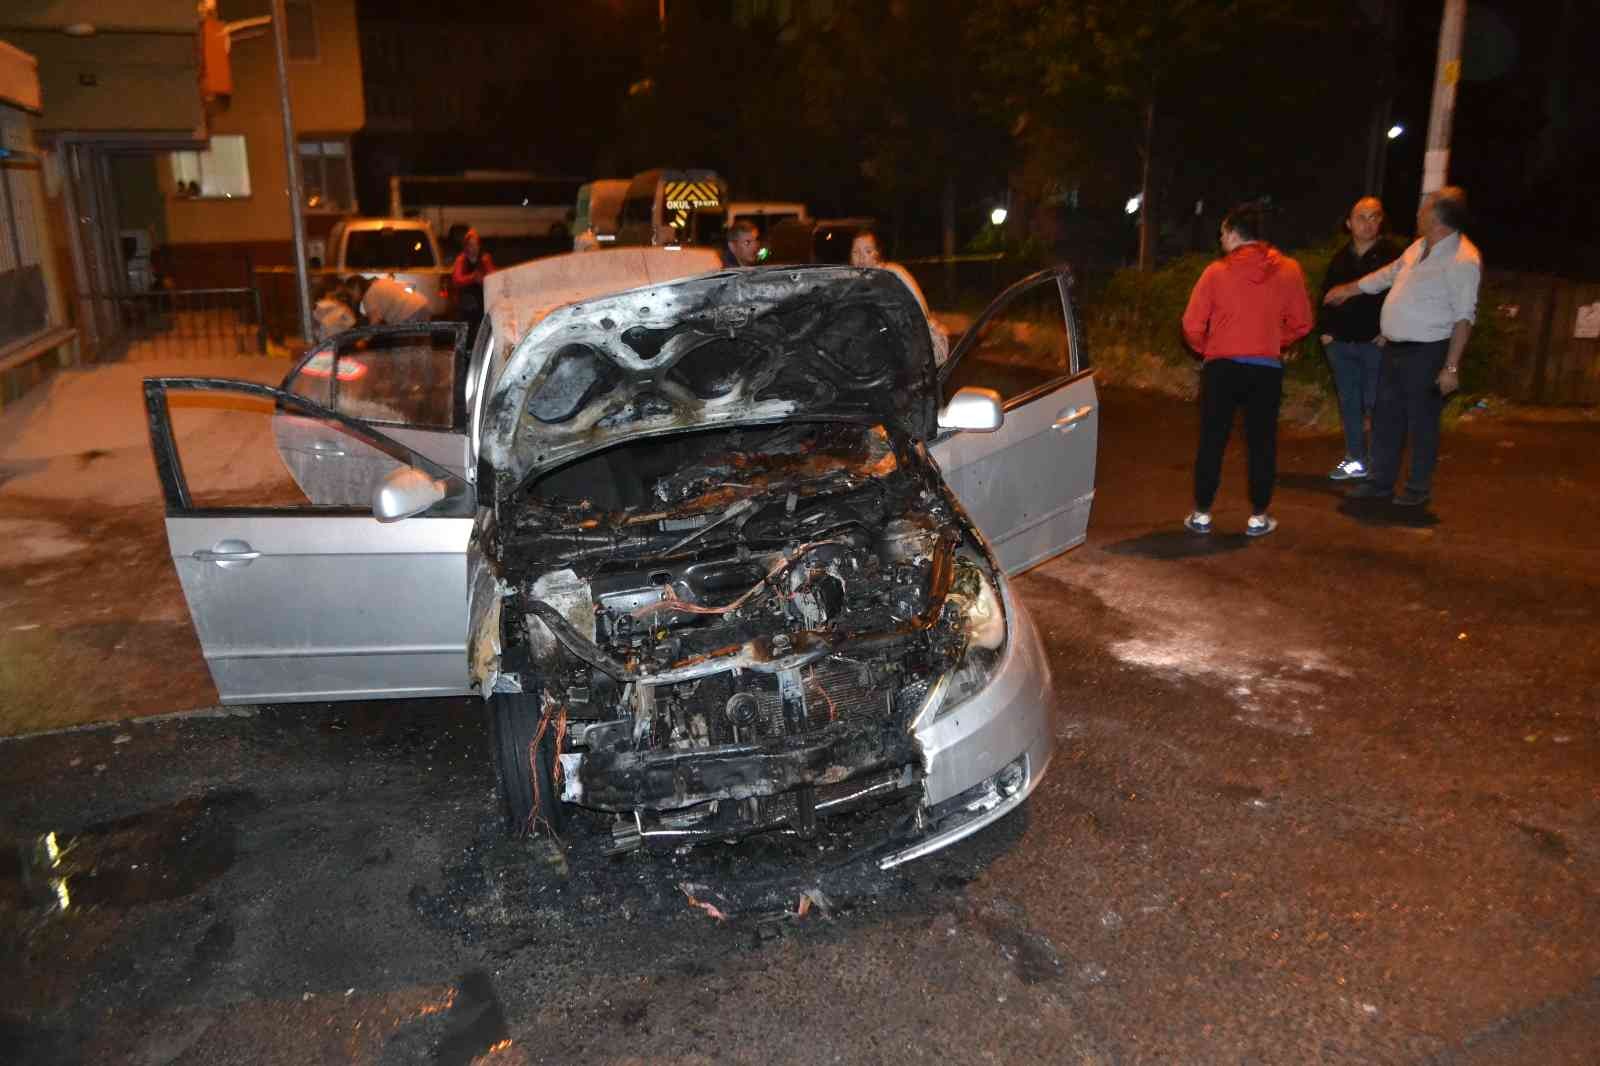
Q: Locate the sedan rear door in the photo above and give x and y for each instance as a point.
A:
(296, 598)
(1029, 485)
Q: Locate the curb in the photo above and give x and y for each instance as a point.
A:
(238, 711)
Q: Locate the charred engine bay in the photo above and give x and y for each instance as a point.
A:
(740, 626)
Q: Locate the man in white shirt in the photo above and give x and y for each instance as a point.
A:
(1426, 320)
(384, 301)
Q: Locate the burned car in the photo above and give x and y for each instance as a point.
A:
(724, 551)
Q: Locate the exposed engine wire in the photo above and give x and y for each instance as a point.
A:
(670, 600)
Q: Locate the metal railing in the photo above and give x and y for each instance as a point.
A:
(166, 323)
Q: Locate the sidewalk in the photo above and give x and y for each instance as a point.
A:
(93, 624)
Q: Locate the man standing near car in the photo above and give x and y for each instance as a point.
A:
(1243, 315)
(1350, 332)
(1426, 320)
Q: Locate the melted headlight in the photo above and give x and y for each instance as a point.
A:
(980, 620)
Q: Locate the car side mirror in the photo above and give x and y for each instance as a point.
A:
(405, 492)
(973, 409)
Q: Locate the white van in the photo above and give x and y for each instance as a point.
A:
(594, 223)
(496, 203)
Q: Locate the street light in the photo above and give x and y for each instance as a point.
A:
(1396, 130)
(1133, 204)
(998, 216)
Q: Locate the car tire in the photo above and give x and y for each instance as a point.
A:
(513, 723)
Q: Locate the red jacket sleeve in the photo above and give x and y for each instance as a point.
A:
(1197, 316)
(461, 275)
(1297, 320)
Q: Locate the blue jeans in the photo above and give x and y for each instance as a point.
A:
(1409, 406)
(1355, 372)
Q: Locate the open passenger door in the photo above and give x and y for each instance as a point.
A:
(1028, 485)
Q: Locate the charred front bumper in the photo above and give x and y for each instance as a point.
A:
(670, 780)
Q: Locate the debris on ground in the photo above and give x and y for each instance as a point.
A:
(814, 897)
(710, 908)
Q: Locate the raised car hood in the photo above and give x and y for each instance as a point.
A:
(734, 347)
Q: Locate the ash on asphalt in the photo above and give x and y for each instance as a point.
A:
(494, 888)
(503, 881)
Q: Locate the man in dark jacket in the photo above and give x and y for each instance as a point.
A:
(1244, 313)
(744, 245)
(1350, 332)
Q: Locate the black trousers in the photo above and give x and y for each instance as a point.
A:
(1226, 386)
(1409, 406)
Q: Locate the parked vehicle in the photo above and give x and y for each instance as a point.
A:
(683, 207)
(598, 209)
(712, 582)
(404, 249)
(499, 204)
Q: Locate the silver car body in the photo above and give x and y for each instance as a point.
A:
(305, 604)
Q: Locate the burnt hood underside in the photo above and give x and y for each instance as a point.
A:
(737, 347)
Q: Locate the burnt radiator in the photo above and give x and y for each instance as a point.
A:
(753, 707)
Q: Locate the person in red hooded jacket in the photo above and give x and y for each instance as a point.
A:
(1245, 312)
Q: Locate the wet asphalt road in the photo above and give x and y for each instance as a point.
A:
(1330, 796)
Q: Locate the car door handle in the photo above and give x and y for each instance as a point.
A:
(327, 448)
(228, 554)
(1071, 419)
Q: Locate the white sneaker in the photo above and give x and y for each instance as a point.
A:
(1198, 522)
(1349, 470)
(1260, 525)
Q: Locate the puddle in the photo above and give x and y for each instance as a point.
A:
(162, 854)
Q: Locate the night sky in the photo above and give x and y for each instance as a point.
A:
(1526, 132)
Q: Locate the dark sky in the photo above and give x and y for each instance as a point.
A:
(1526, 130)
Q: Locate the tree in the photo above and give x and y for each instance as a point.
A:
(1088, 73)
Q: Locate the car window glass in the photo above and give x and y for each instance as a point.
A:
(239, 451)
(388, 249)
(398, 378)
(1023, 347)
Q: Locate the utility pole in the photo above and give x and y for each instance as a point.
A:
(1436, 164)
(291, 160)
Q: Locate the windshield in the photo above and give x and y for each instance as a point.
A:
(390, 248)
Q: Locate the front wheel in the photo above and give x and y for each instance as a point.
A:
(525, 773)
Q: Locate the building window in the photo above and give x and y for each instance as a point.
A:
(325, 174)
(221, 172)
(300, 25)
(24, 301)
